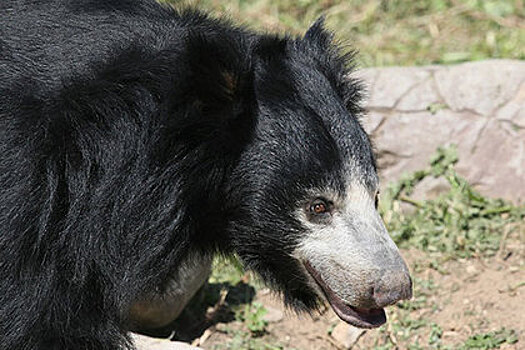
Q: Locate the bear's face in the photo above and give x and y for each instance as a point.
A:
(308, 221)
(349, 255)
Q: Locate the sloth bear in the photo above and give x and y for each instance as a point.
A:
(137, 141)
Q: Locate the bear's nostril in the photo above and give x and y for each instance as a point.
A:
(386, 298)
(391, 289)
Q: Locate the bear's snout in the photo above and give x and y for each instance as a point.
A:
(392, 287)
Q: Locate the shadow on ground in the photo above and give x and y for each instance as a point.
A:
(205, 310)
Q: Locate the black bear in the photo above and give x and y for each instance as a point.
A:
(137, 141)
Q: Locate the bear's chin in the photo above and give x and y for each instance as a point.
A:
(358, 317)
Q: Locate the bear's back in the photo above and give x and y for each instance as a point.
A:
(49, 42)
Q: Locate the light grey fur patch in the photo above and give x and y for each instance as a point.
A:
(353, 251)
(159, 309)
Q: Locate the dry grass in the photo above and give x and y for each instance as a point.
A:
(394, 32)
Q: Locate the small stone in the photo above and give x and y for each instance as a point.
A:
(264, 291)
(221, 327)
(471, 269)
(346, 335)
(450, 334)
(273, 315)
(143, 342)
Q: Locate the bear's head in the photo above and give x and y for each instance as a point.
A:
(301, 197)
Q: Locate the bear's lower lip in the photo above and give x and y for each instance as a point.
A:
(358, 317)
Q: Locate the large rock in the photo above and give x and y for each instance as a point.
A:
(480, 106)
(481, 87)
(392, 84)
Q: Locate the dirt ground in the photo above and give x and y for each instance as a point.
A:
(453, 300)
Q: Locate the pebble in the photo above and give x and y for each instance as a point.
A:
(346, 335)
(143, 342)
(273, 315)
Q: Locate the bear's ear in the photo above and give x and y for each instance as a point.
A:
(270, 49)
(318, 35)
(273, 79)
(219, 75)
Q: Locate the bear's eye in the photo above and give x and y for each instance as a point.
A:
(319, 211)
(319, 207)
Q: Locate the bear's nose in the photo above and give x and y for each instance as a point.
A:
(392, 287)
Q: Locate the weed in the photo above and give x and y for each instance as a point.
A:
(422, 290)
(491, 340)
(459, 223)
(252, 316)
(436, 107)
(435, 335)
(227, 269)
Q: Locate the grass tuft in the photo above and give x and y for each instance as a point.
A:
(491, 340)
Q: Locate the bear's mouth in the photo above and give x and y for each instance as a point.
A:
(358, 317)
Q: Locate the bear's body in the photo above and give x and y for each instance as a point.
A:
(134, 139)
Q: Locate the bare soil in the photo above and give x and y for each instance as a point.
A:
(459, 297)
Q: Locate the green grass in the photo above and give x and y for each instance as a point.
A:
(458, 223)
(491, 340)
(394, 32)
(252, 316)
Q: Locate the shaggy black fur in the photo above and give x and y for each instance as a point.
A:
(132, 135)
